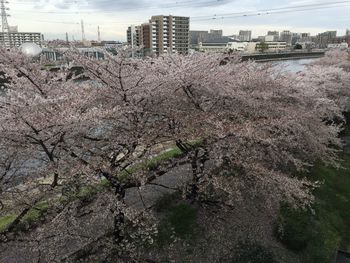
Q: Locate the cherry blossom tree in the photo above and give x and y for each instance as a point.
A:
(253, 129)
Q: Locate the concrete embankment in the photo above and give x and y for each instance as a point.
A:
(265, 57)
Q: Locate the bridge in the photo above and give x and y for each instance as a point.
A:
(266, 57)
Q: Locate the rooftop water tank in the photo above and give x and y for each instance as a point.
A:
(30, 49)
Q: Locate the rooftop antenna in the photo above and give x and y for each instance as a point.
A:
(4, 24)
(82, 31)
(98, 34)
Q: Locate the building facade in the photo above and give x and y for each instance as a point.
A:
(170, 34)
(15, 39)
(286, 36)
(274, 35)
(163, 34)
(134, 36)
(271, 46)
(245, 35)
(323, 39)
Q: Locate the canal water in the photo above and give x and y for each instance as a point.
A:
(293, 66)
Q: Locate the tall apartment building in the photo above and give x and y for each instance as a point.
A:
(146, 39)
(134, 35)
(245, 35)
(163, 34)
(170, 34)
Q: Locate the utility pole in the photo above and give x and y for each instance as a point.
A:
(98, 34)
(82, 31)
(4, 24)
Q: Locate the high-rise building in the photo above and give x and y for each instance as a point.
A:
(170, 34)
(245, 35)
(305, 38)
(286, 36)
(347, 32)
(216, 32)
(274, 34)
(296, 37)
(146, 38)
(198, 36)
(133, 36)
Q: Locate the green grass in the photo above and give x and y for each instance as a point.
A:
(5, 221)
(318, 235)
(35, 214)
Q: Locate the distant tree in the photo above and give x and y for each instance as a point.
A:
(298, 46)
(263, 46)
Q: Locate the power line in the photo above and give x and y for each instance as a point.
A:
(265, 13)
(280, 8)
(236, 15)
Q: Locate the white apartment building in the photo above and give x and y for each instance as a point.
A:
(15, 39)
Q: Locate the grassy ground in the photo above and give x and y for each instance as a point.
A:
(317, 234)
(5, 221)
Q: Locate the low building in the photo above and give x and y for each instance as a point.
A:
(343, 45)
(15, 39)
(237, 46)
(212, 47)
(271, 46)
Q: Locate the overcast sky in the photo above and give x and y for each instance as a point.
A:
(54, 18)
